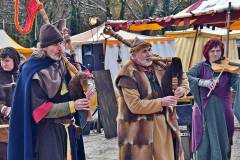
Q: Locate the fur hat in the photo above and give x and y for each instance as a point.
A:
(49, 35)
(138, 44)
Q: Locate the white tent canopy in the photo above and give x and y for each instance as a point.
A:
(97, 35)
(208, 7)
(163, 46)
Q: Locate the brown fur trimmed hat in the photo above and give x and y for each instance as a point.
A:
(138, 44)
(49, 35)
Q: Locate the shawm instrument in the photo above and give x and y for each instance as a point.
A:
(75, 89)
(171, 79)
(173, 66)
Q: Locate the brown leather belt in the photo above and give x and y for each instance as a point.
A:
(62, 121)
(57, 120)
(78, 131)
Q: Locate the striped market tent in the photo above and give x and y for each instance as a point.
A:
(202, 12)
(184, 44)
(114, 49)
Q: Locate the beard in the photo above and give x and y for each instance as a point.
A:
(145, 63)
(56, 57)
(142, 62)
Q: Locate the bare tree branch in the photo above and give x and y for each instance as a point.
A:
(97, 5)
(177, 6)
(138, 3)
(131, 10)
(153, 8)
(122, 11)
(108, 13)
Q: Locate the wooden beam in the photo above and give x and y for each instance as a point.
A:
(107, 102)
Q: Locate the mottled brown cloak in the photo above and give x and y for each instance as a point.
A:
(135, 131)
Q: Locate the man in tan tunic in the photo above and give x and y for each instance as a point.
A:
(147, 126)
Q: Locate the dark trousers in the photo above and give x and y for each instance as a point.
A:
(3, 151)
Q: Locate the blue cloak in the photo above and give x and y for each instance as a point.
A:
(21, 129)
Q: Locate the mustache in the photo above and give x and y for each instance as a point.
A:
(157, 58)
(61, 52)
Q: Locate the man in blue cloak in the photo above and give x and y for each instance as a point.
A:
(42, 113)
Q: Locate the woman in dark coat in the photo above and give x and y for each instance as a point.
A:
(213, 122)
(10, 60)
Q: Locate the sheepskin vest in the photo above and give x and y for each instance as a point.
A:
(133, 129)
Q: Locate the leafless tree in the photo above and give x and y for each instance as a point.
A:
(78, 13)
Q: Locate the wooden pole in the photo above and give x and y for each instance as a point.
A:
(193, 47)
(227, 45)
(43, 13)
(228, 28)
(107, 102)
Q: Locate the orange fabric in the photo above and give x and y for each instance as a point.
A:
(235, 25)
(142, 27)
(32, 8)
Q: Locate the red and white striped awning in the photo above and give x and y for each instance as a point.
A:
(202, 12)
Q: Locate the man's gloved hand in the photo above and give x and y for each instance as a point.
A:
(6, 111)
(209, 83)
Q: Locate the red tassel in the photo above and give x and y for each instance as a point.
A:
(32, 9)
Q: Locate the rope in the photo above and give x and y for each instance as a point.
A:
(32, 8)
(69, 157)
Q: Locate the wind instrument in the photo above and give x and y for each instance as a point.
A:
(78, 85)
(62, 27)
(163, 62)
(109, 31)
